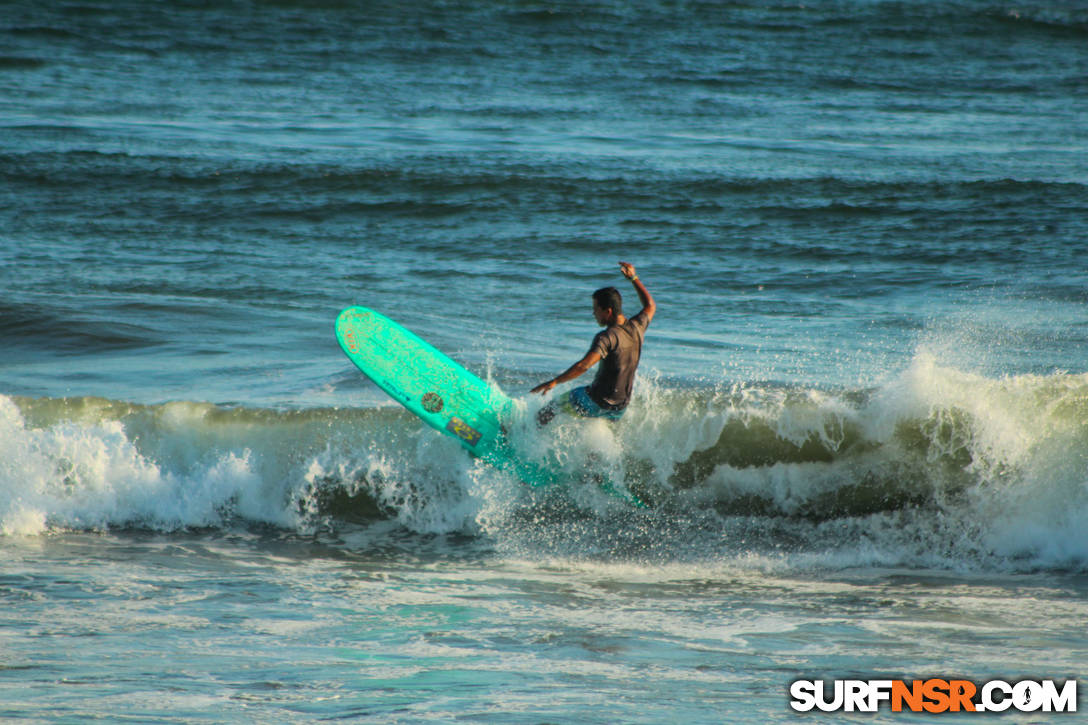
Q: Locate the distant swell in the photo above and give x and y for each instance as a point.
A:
(28, 329)
(202, 189)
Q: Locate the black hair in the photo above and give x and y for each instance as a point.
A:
(609, 298)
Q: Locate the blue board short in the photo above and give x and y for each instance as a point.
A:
(578, 402)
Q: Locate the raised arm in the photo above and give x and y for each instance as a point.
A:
(649, 307)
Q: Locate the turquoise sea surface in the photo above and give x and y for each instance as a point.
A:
(861, 417)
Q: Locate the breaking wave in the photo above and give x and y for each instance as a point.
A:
(936, 468)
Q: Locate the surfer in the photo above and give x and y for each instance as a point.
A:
(617, 348)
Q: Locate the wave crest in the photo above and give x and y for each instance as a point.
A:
(935, 467)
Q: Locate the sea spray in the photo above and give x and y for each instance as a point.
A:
(935, 467)
(74, 476)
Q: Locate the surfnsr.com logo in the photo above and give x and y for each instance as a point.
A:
(933, 696)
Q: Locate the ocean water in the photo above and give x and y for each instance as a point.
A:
(861, 417)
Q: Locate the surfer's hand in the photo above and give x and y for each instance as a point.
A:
(544, 387)
(628, 270)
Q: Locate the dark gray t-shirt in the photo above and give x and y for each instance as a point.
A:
(620, 347)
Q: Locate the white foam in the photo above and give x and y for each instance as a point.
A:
(979, 471)
(73, 475)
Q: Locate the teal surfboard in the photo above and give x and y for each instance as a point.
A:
(427, 382)
(441, 392)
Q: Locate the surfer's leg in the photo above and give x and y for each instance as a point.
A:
(577, 403)
(545, 414)
(586, 407)
(571, 404)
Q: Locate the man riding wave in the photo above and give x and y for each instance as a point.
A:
(618, 349)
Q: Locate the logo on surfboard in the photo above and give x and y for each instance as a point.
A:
(463, 430)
